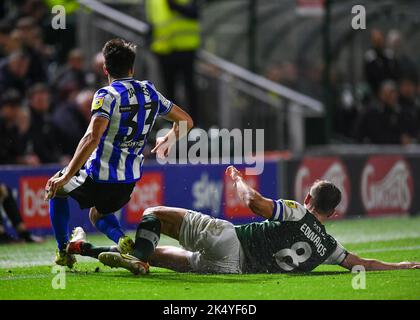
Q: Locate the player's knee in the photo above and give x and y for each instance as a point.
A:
(94, 216)
(156, 211)
(150, 222)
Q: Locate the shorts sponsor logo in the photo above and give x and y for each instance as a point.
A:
(387, 185)
(148, 192)
(34, 209)
(323, 168)
(234, 207)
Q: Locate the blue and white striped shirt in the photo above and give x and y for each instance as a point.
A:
(131, 107)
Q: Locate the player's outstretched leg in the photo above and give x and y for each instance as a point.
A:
(79, 245)
(147, 238)
(173, 258)
(155, 220)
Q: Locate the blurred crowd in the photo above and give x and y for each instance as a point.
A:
(47, 86)
(391, 115)
(384, 108)
(46, 90)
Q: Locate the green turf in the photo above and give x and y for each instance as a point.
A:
(26, 273)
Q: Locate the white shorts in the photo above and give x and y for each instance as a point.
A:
(213, 242)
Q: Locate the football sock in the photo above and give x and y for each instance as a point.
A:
(88, 249)
(147, 237)
(60, 216)
(110, 226)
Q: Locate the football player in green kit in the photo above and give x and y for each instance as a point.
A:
(292, 239)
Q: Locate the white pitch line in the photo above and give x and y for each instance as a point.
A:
(406, 248)
(23, 277)
(28, 262)
(358, 238)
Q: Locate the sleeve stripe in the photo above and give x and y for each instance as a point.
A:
(281, 211)
(343, 255)
(277, 210)
(101, 114)
(167, 110)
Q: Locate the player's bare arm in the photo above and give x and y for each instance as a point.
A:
(164, 144)
(372, 264)
(252, 198)
(86, 146)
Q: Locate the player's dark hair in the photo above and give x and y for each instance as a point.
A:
(119, 57)
(325, 196)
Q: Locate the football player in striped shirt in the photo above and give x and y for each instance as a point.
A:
(108, 160)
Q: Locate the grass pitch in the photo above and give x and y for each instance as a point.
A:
(26, 272)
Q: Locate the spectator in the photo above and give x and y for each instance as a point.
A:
(7, 43)
(23, 124)
(385, 123)
(29, 35)
(408, 96)
(78, 114)
(71, 79)
(12, 212)
(11, 142)
(407, 67)
(96, 78)
(175, 39)
(44, 136)
(379, 65)
(13, 72)
(410, 106)
(38, 11)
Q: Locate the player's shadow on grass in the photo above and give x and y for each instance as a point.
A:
(220, 278)
(318, 273)
(194, 278)
(168, 275)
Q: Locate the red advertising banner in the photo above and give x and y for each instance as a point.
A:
(310, 8)
(323, 168)
(148, 192)
(234, 207)
(33, 208)
(386, 185)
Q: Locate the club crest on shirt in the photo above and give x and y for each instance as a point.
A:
(97, 103)
(290, 204)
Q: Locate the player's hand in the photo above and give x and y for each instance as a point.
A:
(233, 173)
(409, 265)
(54, 184)
(162, 147)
